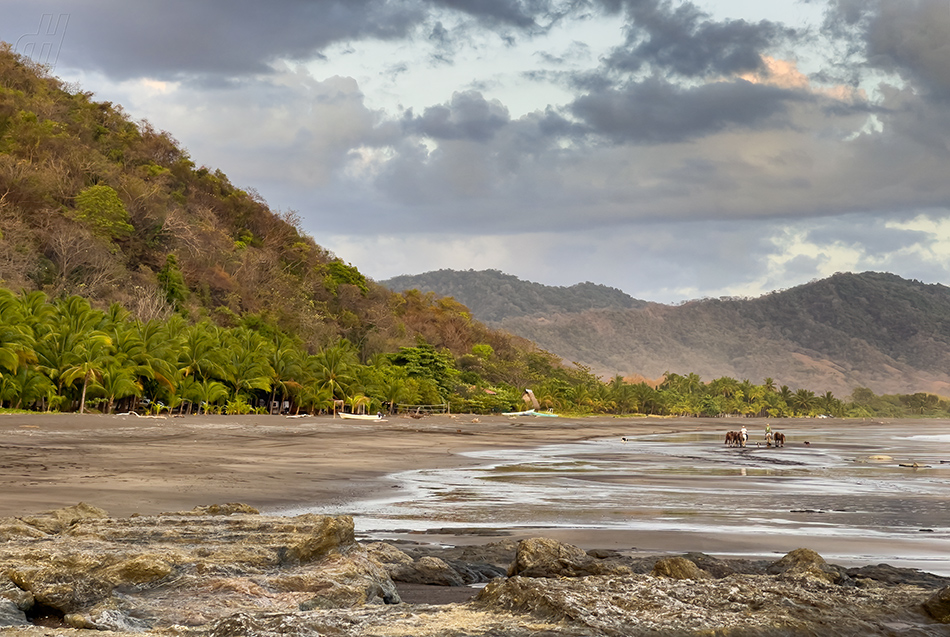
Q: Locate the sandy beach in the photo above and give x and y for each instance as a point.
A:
(128, 464)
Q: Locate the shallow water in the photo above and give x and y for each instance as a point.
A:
(843, 493)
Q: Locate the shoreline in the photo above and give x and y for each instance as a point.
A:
(127, 464)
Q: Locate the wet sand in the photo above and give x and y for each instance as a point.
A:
(128, 464)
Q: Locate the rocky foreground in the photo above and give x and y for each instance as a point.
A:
(225, 570)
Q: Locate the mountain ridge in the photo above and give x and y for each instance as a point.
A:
(872, 329)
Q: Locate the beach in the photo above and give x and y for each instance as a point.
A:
(423, 480)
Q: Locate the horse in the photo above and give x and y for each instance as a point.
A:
(768, 439)
(732, 438)
(779, 439)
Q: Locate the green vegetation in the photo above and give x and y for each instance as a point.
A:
(66, 355)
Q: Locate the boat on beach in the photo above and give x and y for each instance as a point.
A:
(347, 416)
(530, 412)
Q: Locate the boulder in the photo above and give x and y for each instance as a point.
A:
(679, 568)
(544, 557)
(387, 555)
(329, 535)
(58, 520)
(938, 605)
(428, 570)
(806, 562)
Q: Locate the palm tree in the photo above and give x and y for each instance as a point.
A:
(29, 385)
(87, 362)
(206, 392)
(804, 401)
(334, 367)
(245, 365)
(116, 382)
(287, 372)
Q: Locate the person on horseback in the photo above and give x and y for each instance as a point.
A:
(768, 435)
(743, 436)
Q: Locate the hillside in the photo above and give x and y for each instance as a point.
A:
(97, 204)
(851, 330)
(494, 296)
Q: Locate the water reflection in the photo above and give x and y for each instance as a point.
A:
(837, 487)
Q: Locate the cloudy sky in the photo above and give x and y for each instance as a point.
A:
(674, 150)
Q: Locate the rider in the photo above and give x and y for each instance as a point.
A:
(744, 434)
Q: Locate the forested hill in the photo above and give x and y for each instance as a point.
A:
(96, 204)
(494, 296)
(871, 330)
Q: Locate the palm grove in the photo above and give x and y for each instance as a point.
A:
(133, 277)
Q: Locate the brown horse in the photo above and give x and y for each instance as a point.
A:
(779, 439)
(732, 438)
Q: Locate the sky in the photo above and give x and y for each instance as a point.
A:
(674, 150)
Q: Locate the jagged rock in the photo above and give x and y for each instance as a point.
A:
(10, 592)
(679, 568)
(329, 535)
(388, 555)
(428, 570)
(219, 509)
(16, 529)
(58, 520)
(806, 562)
(938, 606)
(128, 574)
(343, 580)
(11, 614)
(714, 566)
(887, 574)
(544, 557)
(740, 605)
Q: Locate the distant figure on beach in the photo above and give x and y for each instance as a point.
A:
(743, 436)
(768, 435)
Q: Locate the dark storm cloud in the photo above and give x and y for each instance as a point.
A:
(657, 111)
(684, 40)
(468, 116)
(182, 39)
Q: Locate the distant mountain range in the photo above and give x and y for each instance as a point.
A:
(872, 330)
(494, 296)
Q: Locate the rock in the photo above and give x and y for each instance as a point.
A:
(17, 596)
(128, 574)
(713, 566)
(58, 520)
(387, 554)
(230, 508)
(543, 557)
(428, 570)
(679, 568)
(342, 580)
(938, 605)
(806, 562)
(890, 575)
(329, 535)
(11, 614)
